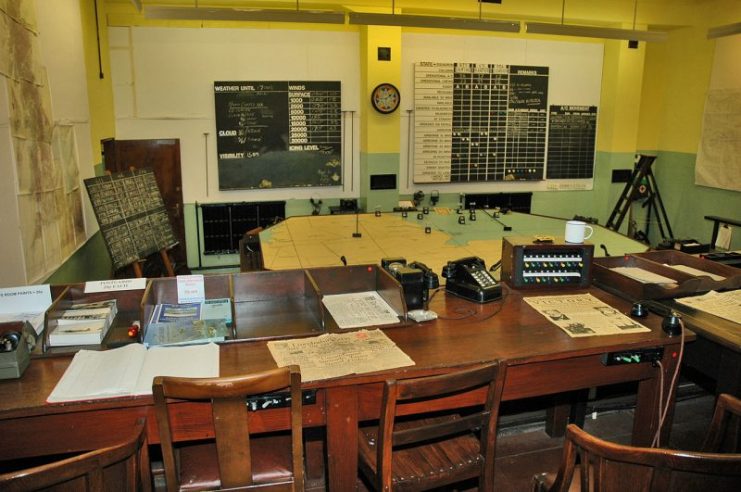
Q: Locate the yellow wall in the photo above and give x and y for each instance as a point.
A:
(100, 89)
(379, 132)
(620, 100)
(683, 75)
(677, 76)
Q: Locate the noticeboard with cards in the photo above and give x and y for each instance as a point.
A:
(131, 215)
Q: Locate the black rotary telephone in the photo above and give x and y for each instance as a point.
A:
(468, 278)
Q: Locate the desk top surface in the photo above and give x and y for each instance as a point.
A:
(316, 241)
(721, 331)
(466, 333)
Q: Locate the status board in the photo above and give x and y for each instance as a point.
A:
(131, 215)
(572, 131)
(278, 134)
(479, 122)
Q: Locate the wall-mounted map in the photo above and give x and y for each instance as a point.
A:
(277, 134)
(131, 215)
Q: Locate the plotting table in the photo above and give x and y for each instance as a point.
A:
(314, 241)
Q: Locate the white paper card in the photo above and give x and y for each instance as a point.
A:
(28, 303)
(114, 285)
(723, 241)
(31, 298)
(190, 289)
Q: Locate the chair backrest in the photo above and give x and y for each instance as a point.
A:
(616, 467)
(725, 428)
(397, 394)
(123, 466)
(230, 420)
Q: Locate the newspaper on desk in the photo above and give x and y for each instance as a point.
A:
(359, 309)
(337, 354)
(583, 315)
(726, 305)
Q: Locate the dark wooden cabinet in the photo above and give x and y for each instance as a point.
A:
(163, 156)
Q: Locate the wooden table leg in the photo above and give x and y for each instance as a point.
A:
(342, 438)
(729, 373)
(645, 421)
(557, 415)
(569, 407)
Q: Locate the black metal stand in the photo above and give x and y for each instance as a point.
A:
(642, 185)
(357, 226)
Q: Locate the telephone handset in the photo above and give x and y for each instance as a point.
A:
(468, 278)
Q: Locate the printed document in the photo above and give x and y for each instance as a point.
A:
(584, 315)
(130, 370)
(337, 354)
(360, 309)
(696, 272)
(725, 305)
(644, 276)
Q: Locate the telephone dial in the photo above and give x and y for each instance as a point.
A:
(468, 278)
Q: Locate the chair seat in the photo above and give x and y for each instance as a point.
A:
(415, 467)
(271, 462)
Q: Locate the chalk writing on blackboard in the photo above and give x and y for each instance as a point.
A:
(479, 122)
(571, 137)
(278, 134)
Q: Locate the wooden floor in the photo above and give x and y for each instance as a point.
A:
(523, 452)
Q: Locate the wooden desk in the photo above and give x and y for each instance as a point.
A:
(717, 351)
(542, 360)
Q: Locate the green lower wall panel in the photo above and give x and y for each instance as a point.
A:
(90, 262)
(687, 204)
(373, 164)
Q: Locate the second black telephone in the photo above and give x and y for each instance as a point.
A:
(468, 278)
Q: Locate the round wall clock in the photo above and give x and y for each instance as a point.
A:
(385, 98)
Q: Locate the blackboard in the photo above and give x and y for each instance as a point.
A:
(131, 215)
(278, 134)
(479, 122)
(571, 135)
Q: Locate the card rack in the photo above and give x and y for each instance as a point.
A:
(527, 264)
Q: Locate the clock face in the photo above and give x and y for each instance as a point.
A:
(385, 98)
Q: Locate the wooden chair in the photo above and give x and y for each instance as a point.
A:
(123, 466)
(236, 458)
(725, 427)
(616, 467)
(430, 451)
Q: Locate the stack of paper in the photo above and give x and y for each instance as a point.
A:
(83, 324)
